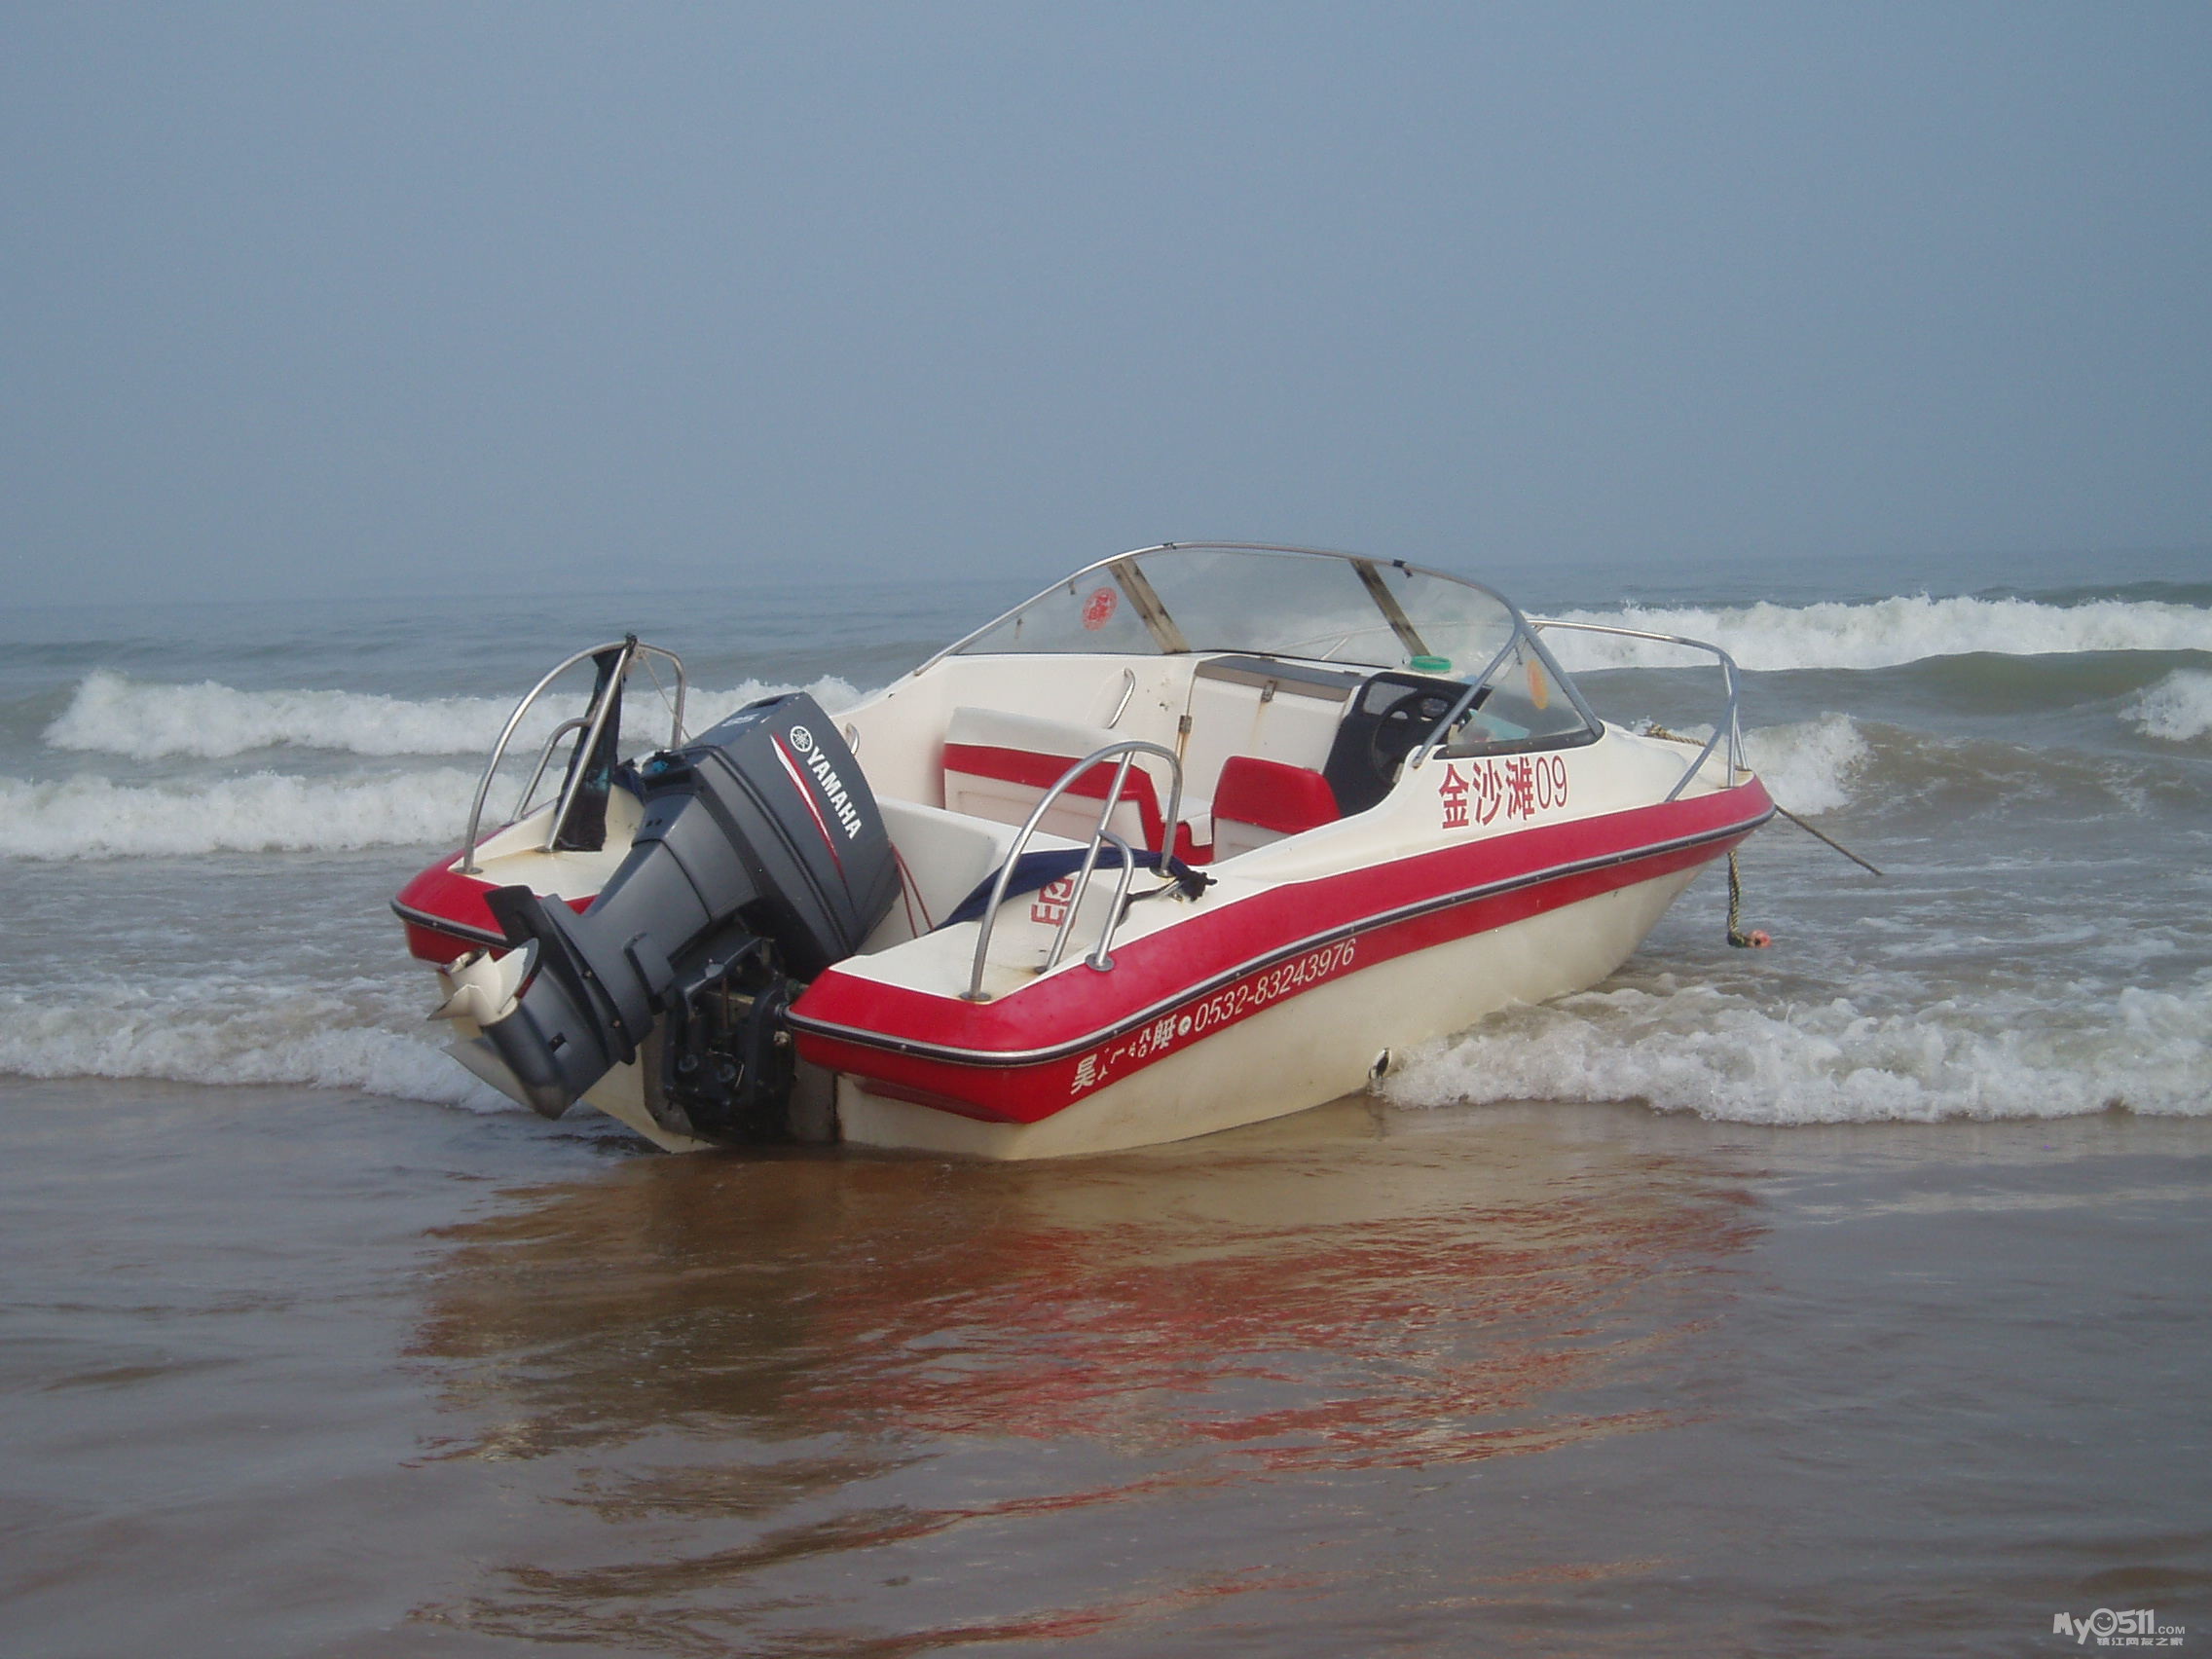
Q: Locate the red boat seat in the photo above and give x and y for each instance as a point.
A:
(1258, 801)
(997, 765)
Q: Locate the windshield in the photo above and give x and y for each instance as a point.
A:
(1428, 627)
(1322, 607)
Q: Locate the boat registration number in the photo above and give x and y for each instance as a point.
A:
(1519, 787)
(1248, 995)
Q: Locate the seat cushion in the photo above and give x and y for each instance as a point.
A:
(1019, 757)
(1269, 795)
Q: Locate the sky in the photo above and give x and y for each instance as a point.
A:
(411, 297)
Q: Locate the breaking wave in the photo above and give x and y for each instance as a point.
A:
(1809, 766)
(1885, 633)
(95, 818)
(111, 714)
(227, 1031)
(2178, 709)
(1714, 1053)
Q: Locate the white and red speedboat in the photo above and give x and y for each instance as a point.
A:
(1201, 834)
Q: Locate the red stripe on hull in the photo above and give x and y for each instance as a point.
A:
(1185, 981)
(445, 914)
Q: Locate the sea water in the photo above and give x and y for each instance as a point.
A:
(1530, 1344)
(204, 808)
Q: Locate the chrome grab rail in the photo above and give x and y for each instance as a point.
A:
(594, 719)
(1128, 750)
(1098, 958)
(1729, 677)
(1128, 690)
(545, 758)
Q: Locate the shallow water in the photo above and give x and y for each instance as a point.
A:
(310, 1373)
(1872, 1324)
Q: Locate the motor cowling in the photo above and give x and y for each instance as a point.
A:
(762, 858)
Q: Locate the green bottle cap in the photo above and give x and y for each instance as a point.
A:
(1430, 665)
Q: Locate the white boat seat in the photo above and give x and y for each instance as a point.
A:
(999, 765)
(942, 856)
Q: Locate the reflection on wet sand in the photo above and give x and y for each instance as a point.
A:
(791, 1388)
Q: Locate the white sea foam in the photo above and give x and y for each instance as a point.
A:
(1720, 1054)
(1808, 766)
(229, 1030)
(1885, 633)
(2178, 709)
(96, 817)
(111, 714)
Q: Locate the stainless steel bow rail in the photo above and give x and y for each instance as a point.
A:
(1730, 679)
(606, 697)
(1100, 958)
(1441, 732)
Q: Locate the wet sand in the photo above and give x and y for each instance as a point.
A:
(289, 1372)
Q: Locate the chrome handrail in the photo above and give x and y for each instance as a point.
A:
(1730, 678)
(1128, 690)
(1099, 957)
(1129, 749)
(633, 651)
(545, 759)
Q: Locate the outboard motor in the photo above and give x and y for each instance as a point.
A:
(761, 859)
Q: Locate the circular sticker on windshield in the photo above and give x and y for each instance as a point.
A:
(1098, 608)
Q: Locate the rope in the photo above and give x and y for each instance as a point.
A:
(1830, 839)
(667, 699)
(1758, 938)
(910, 895)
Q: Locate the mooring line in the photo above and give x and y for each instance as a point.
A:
(1820, 836)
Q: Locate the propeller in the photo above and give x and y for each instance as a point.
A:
(485, 988)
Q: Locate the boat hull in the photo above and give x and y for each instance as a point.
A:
(1267, 1004)
(1458, 919)
(1328, 1041)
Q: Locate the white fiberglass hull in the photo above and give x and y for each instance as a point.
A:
(1327, 1041)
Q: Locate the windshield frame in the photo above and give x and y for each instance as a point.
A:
(1167, 638)
(1521, 639)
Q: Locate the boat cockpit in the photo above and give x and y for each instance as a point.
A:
(1289, 685)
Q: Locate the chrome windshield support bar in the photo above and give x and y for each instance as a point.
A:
(1730, 679)
(1158, 622)
(1387, 602)
(1127, 751)
(592, 719)
(1441, 733)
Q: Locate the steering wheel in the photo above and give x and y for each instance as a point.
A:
(1402, 725)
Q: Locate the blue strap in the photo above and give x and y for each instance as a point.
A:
(1041, 868)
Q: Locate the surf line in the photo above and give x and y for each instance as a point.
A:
(1654, 730)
